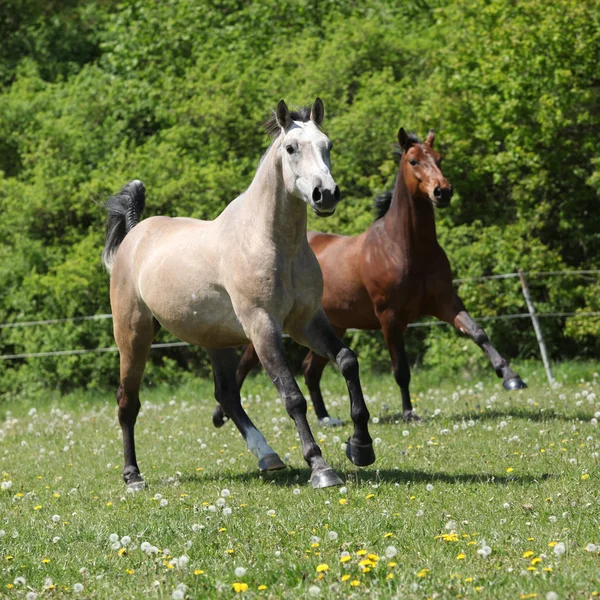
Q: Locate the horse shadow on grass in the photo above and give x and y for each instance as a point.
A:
(301, 476)
(492, 415)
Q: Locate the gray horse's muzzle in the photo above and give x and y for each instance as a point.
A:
(325, 200)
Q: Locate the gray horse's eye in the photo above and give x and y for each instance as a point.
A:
(290, 149)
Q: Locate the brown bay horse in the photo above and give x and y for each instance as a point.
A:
(391, 275)
(247, 276)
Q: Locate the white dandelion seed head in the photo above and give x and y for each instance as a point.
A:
(31, 596)
(183, 562)
(342, 490)
(48, 583)
(56, 539)
(196, 527)
(56, 518)
(420, 513)
(429, 487)
(158, 496)
(6, 485)
(113, 537)
(559, 549)
(2, 533)
(78, 588)
(296, 491)
(332, 535)
(83, 571)
(125, 540)
(552, 519)
(177, 595)
(271, 513)
(406, 433)
(506, 505)
(211, 508)
(551, 596)
(315, 539)
(240, 571)
(314, 590)
(391, 551)
(164, 502)
(145, 546)
(225, 493)
(591, 547)
(20, 581)
(220, 502)
(115, 545)
(227, 511)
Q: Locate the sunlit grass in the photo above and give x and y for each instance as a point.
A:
(492, 495)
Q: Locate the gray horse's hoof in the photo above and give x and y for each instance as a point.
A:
(136, 486)
(514, 383)
(410, 416)
(271, 462)
(330, 422)
(219, 418)
(361, 456)
(325, 479)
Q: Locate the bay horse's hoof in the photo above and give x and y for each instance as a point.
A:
(330, 422)
(219, 418)
(325, 479)
(410, 416)
(271, 462)
(514, 383)
(361, 456)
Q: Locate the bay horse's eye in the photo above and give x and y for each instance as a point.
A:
(413, 162)
(290, 149)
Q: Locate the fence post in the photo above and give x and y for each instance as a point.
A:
(536, 327)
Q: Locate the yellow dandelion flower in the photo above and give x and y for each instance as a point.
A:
(345, 577)
(10, 586)
(229, 551)
(528, 553)
(239, 587)
(373, 557)
(390, 576)
(548, 569)
(527, 596)
(343, 501)
(531, 569)
(122, 551)
(369, 496)
(19, 495)
(509, 470)
(198, 572)
(315, 545)
(45, 560)
(345, 559)
(9, 557)
(262, 587)
(37, 507)
(361, 552)
(392, 565)
(109, 504)
(423, 573)
(552, 544)
(536, 560)
(585, 476)
(355, 583)
(222, 529)
(129, 571)
(56, 495)
(322, 568)
(461, 556)
(478, 588)
(387, 535)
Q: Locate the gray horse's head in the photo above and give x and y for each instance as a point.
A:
(305, 162)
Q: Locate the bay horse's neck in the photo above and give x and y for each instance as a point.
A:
(410, 223)
(277, 215)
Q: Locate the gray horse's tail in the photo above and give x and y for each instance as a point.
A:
(124, 212)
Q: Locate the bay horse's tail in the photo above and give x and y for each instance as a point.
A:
(124, 212)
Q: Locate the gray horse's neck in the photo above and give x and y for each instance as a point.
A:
(275, 215)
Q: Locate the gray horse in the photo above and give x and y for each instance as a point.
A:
(247, 276)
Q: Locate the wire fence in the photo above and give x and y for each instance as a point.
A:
(528, 315)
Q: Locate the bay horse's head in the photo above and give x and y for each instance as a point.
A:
(421, 166)
(304, 151)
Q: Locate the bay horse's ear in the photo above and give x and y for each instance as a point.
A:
(404, 140)
(317, 112)
(430, 138)
(282, 114)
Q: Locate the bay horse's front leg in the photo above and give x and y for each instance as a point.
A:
(320, 337)
(462, 320)
(266, 336)
(227, 393)
(393, 328)
(313, 366)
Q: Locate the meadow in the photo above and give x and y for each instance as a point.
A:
(491, 495)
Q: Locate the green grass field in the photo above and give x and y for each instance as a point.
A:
(492, 495)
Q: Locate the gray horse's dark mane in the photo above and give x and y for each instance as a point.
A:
(297, 114)
(382, 202)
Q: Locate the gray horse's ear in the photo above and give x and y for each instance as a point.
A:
(430, 138)
(404, 140)
(317, 112)
(282, 114)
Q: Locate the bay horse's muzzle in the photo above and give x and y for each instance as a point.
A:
(442, 196)
(324, 201)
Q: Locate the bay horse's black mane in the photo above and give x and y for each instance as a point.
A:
(297, 114)
(381, 202)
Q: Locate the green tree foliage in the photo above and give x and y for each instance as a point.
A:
(94, 94)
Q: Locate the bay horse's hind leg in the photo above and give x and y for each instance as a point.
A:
(313, 366)
(393, 331)
(247, 362)
(134, 339)
(462, 320)
(227, 393)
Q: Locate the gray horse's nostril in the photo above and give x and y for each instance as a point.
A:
(316, 194)
(336, 193)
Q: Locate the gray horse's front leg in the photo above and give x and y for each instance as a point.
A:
(319, 336)
(227, 393)
(267, 342)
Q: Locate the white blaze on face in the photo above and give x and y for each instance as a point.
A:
(305, 161)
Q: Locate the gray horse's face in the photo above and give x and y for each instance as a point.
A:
(306, 165)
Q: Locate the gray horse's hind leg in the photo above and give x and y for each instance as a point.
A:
(134, 338)
(224, 363)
